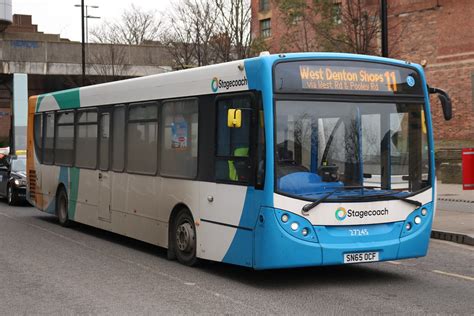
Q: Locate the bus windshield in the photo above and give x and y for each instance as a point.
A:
(351, 150)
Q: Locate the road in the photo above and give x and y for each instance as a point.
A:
(48, 269)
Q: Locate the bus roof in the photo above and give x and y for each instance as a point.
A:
(226, 77)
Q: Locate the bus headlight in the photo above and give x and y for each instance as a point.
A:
(295, 226)
(417, 220)
(424, 211)
(408, 226)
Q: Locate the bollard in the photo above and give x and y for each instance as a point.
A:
(468, 169)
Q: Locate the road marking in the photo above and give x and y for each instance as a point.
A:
(395, 262)
(465, 277)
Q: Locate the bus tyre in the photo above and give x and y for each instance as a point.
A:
(62, 208)
(184, 238)
(10, 196)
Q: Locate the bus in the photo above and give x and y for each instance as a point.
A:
(277, 161)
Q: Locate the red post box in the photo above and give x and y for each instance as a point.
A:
(468, 169)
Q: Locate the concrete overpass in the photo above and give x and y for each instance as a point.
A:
(53, 63)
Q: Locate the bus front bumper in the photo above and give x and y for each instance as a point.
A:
(280, 244)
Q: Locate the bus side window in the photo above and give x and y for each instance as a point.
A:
(48, 143)
(233, 144)
(39, 136)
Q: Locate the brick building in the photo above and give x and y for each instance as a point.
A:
(440, 32)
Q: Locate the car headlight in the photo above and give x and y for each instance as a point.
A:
(17, 182)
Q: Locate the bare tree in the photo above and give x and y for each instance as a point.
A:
(191, 32)
(234, 36)
(313, 25)
(203, 32)
(135, 27)
(109, 63)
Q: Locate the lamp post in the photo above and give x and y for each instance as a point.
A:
(84, 29)
(384, 20)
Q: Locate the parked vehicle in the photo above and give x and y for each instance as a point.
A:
(13, 178)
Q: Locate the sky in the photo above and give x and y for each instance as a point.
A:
(61, 17)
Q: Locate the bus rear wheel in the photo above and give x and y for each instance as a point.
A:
(62, 208)
(184, 238)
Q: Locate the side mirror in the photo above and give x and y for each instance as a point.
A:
(234, 118)
(445, 102)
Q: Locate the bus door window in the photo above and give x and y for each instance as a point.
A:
(233, 144)
(104, 140)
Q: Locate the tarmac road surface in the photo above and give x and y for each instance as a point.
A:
(48, 269)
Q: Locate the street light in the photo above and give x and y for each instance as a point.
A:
(85, 32)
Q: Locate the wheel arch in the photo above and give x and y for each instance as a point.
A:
(174, 212)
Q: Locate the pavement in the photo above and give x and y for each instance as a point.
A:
(454, 219)
(46, 269)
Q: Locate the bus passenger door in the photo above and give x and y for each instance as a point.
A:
(104, 161)
(226, 230)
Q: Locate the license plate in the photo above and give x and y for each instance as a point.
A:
(357, 257)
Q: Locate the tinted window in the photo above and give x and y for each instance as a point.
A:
(48, 153)
(64, 148)
(38, 136)
(118, 139)
(179, 138)
(86, 139)
(142, 138)
(104, 141)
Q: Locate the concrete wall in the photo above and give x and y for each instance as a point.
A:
(65, 58)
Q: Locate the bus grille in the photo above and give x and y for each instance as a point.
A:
(32, 184)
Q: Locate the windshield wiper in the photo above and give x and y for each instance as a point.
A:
(308, 207)
(413, 202)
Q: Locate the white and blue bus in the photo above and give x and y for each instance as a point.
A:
(270, 162)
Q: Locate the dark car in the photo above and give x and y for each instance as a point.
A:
(13, 178)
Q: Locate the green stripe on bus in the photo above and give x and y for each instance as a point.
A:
(68, 99)
(74, 190)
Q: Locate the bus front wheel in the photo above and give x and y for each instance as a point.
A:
(184, 238)
(62, 208)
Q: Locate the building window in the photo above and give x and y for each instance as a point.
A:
(264, 5)
(265, 28)
(337, 13)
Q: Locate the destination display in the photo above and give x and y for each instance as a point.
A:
(346, 77)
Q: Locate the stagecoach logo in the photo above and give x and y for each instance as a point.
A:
(410, 81)
(217, 83)
(341, 213)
